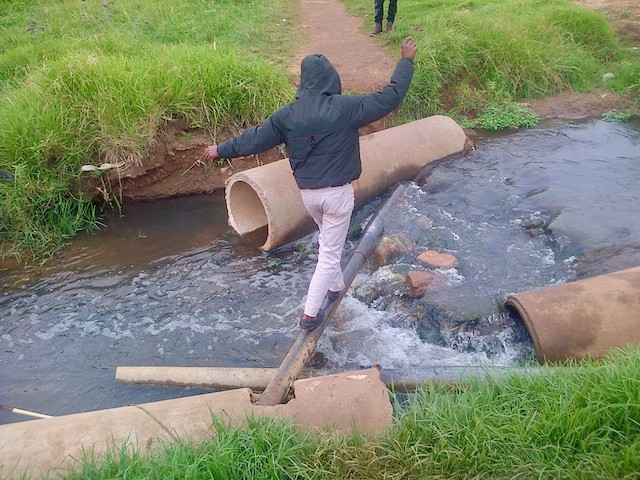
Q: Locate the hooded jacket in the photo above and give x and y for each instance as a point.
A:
(320, 128)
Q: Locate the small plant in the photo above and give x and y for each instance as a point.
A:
(355, 232)
(301, 251)
(273, 262)
(504, 115)
(618, 116)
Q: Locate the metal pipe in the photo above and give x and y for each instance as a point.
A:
(20, 411)
(220, 378)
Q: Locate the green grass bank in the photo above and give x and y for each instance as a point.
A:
(570, 423)
(87, 82)
(479, 57)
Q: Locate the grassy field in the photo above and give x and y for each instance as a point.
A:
(570, 423)
(91, 82)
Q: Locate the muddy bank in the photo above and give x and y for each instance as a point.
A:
(174, 167)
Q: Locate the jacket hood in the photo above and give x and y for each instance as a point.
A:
(318, 77)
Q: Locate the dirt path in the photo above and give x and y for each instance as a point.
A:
(624, 16)
(364, 67)
(362, 64)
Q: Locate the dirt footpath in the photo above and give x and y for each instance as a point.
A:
(171, 168)
(362, 63)
(624, 16)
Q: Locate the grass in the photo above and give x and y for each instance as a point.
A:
(91, 81)
(569, 423)
(476, 54)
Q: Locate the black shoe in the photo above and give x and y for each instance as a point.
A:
(333, 296)
(309, 323)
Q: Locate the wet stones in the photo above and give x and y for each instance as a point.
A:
(419, 282)
(390, 249)
(434, 259)
(400, 250)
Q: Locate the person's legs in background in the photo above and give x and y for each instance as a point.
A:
(391, 14)
(331, 210)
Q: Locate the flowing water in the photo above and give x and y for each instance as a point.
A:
(170, 284)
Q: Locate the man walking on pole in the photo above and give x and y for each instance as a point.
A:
(320, 130)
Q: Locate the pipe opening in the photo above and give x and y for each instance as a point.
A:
(247, 213)
(520, 316)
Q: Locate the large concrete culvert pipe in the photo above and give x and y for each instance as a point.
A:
(264, 204)
(581, 319)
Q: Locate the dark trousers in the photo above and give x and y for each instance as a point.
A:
(391, 12)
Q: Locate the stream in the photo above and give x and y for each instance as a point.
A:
(169, 283)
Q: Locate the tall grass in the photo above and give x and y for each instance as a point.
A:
(91, 81)
(265, 449)
(474, 53)
(569, 423)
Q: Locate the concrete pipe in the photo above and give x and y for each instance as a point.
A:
(264, 204)
(221, 378)
(347, 402)
(582, 319)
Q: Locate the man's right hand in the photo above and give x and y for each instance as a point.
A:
(409, 48)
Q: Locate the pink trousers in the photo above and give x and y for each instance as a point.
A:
(331, 209)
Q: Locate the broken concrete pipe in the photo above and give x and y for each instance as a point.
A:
(349, 401)
(582, 319)
(264, 204)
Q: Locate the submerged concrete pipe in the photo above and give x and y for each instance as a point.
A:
(264, 204)
(400, 380)
(221, 378)
(582, 319)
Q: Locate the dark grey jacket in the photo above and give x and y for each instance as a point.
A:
(320, 128)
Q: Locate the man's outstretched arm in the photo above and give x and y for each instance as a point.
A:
(373, 106)
(252, 140)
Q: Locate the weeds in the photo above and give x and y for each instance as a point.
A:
(509, 114)
(273, 262)
(618, 116)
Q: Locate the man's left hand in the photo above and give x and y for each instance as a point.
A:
(211, 152)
